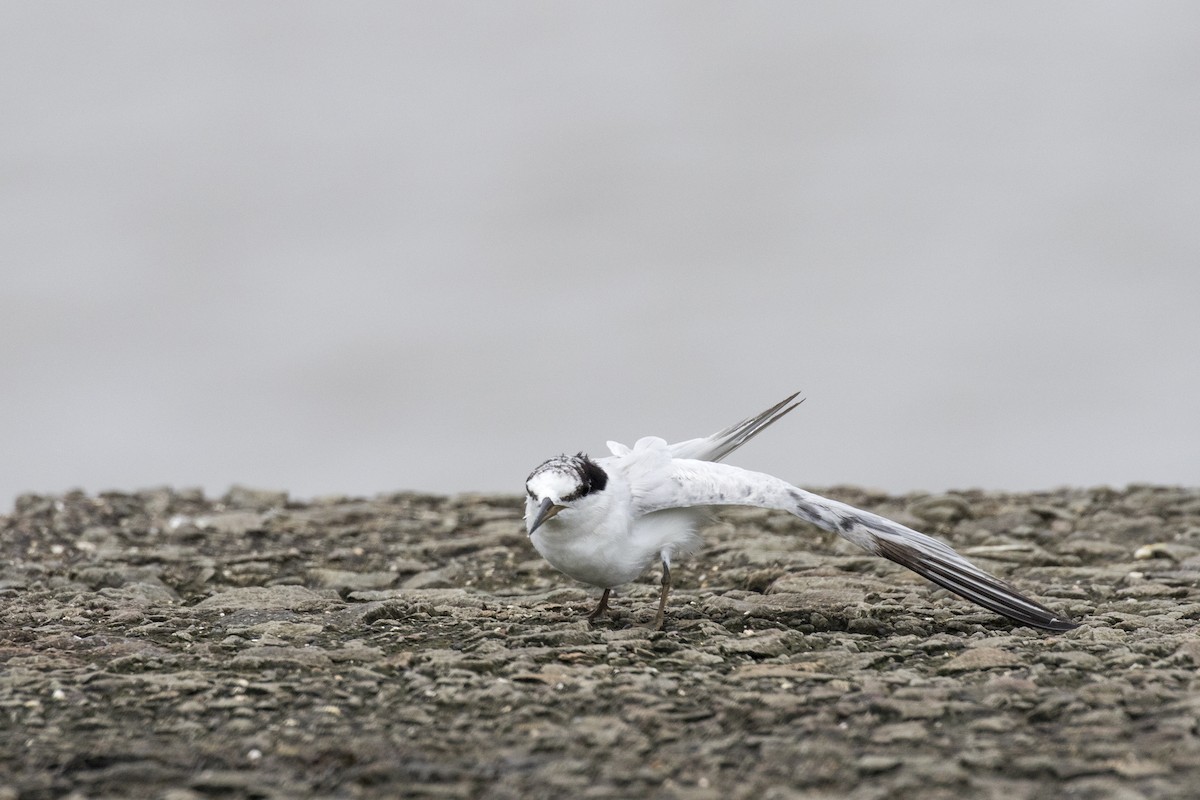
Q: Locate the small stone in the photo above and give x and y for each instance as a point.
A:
(259, 597)
(430, 579)
(981, 658)
(873, 764)
(1145, 589)
(900, 732)
(257, 499)
(763, 645)
(274, 656)
(1189, 651)
(229, 523)
(1164, 550)
(941, 509)
(345, 580)
(286, 630)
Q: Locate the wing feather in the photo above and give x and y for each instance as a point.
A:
(722, 443)
(685, 483)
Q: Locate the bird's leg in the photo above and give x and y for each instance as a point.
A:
(601, 608)
(662, 597)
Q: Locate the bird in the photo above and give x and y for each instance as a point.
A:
(606, 521)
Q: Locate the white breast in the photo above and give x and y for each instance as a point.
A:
(601, 559)
(613, 551)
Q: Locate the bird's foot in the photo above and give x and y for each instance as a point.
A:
(601, 609)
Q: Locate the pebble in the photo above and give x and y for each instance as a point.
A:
(981, 658)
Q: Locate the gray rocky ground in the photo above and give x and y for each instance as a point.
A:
(165, 645)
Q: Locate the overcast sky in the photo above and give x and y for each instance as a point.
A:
(354, 248)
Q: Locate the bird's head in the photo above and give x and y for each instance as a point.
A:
(560, 484)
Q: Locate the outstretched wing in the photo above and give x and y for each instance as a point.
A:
(685, 483)
(722, 443)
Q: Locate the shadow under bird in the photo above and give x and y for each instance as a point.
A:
(605, 521)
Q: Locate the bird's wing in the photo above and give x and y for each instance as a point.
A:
(618, 449)
(683, 483)
(722, 443)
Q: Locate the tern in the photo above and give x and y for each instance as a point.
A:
(607, 520)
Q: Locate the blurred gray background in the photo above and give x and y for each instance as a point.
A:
(361, 247)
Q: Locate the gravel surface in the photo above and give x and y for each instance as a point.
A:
(166, 645)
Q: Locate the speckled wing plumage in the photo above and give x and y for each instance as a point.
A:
(665, 482)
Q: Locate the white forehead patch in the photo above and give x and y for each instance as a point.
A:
(554, 484)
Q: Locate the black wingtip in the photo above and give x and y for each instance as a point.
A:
(982, 589)
(752, 426)
(786, 400)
